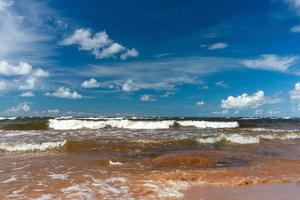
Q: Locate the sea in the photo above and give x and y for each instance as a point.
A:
(142, 157)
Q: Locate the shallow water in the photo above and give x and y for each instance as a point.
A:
(152, 163)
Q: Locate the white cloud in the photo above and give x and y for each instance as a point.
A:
(99, 44)
(25, 34)
(4, 4)
(167, 94)
(27, 77)
(200, 103)
(294, 4)
(40, 73)
(130, 53)
(2, 86)
(23, 107)
(63, 92)
(147, 97)
(247, 101)
(295, 93)
(218, 45)
(221, 84)
(295, 29)
(110, 51)
(8, 70)
(27, 94)
(92, 83)
(163, 74)
(129, 86)
(271, 62)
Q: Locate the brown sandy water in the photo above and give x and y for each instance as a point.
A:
(175, 163)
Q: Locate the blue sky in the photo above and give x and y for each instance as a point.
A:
(166, 58)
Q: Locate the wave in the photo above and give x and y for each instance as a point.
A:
(125, 146)
(72, 124)
(31, 147)
(245, 139)
(7, 118)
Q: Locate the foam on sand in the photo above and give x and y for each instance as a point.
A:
(73, 124)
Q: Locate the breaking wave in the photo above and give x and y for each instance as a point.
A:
(72, 124)
(31, 147)
(245, 139)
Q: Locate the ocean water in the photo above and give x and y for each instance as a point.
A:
(142, 158)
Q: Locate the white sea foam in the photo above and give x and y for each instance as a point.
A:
(11, 179)
(208, 124)
(115, 163)
(31, 147)
(21, 133)
(78, 191)
(170, 189)
(8, 118)
(72, 124)
(59, 176)
(246, 139)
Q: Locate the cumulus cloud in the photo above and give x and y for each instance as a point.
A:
(147, 97)
(91, 83)
(247, 101)
(271, 62)
(2, 86)
(130, 53)
(27, 94)
(218, 45)
(295, 93)
(200, 103)
(295, 29)
(22, 69)
(27, 77)
(129, 86)
(99, 44)
(23, 107)
(63, 92)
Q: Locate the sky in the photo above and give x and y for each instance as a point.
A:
(197, 58)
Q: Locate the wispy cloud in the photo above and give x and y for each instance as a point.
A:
(200, 103)
(162, 74)
(147, 97)
(27, 94)
(295, 29)
(221, 84)
(294, 4)
(271, 62)
(218, 45)
(24, 33)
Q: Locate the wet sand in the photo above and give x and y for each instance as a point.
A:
(257, 192)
